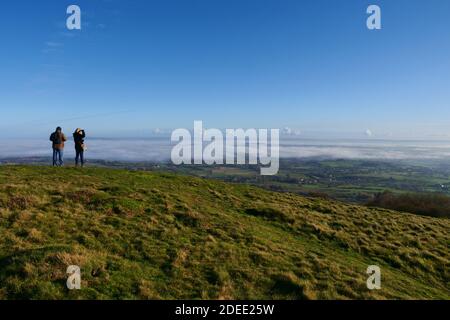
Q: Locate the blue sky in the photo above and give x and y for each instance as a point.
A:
(313, 65)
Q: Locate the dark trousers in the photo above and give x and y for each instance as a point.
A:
(79, 157)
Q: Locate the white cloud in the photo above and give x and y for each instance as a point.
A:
(290, 132)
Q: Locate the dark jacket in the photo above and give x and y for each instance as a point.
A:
(78, 138)
(58, 139)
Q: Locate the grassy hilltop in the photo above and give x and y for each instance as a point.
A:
(141, 235)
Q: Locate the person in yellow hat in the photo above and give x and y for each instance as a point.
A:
(78, 137)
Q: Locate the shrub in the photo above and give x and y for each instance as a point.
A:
(426, 204)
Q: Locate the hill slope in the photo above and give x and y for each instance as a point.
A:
(140, 235)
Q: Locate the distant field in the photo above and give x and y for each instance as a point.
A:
(355, 181)
(155, 235)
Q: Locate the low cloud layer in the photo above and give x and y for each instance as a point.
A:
(158, 149)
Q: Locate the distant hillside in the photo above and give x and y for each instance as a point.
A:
(141, 235)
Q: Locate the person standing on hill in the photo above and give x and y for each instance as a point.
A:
(78, 138)
(58, 138)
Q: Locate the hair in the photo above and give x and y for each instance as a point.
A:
(58, 129)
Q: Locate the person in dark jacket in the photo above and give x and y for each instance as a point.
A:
(78, 138)
(58, 138)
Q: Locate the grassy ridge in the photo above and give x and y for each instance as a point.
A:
(140, 235)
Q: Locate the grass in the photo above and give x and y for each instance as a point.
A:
(155, 235)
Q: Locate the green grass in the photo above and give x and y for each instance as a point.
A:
(141, 235)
